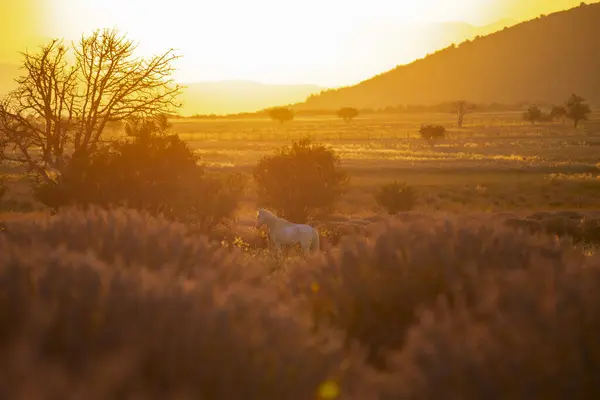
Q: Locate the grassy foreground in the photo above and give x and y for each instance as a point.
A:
(116, 304)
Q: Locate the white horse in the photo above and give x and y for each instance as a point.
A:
(283, 232)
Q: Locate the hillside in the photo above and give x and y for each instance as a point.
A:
(545, 59)
(228, 97)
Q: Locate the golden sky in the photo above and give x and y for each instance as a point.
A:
(326, 42)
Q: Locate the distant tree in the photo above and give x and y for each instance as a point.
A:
(462, 108)
(61, 107)
(300, 180)
(558, 112)
(281, 114)
(577, 110)
(347, 113)
(533, 114)
(431, 133)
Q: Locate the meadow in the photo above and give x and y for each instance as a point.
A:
(496, 162)
(487, 289)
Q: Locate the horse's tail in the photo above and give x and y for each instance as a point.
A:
(315, 243)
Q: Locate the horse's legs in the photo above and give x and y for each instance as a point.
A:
(305, 246)
(306, 250)
(276, 247)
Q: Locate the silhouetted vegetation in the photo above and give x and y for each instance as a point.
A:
(577, 110)
(300, 180)
(533, 114)
(395, 197)
(59, 105)
(281, 114)
(431, 133)
(388, 110)
(558, 112)
(462, 108)
(152, 171)
(347, 113)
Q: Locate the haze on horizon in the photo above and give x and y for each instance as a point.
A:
(328, 43)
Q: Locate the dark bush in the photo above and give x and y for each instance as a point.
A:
(371, 290)
(396, 197)
(150, 171)
(431, 133)
(300, 181)
(281, 114)
(74, 327)
(347, 113)
(208, 202)
(581, 230)
(533, 114)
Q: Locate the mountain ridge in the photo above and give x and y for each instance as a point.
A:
(543, 59)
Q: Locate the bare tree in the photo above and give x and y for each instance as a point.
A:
(462, 108)
(60, 108)
(576, 109)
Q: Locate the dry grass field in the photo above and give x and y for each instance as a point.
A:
(496, 162)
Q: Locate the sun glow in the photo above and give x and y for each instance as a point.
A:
(327, 42)
(265, 40)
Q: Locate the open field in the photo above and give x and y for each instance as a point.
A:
(496, 162)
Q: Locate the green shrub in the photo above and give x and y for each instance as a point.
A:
(300, 181)
(396, 197)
